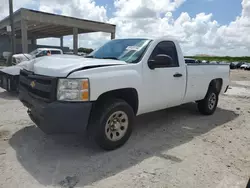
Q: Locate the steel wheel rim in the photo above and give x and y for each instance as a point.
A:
(212, 101)
(116, 126)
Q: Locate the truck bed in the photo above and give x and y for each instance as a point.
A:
(198, 77)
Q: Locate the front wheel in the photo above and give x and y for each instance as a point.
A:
(111, 124)
(208, 105)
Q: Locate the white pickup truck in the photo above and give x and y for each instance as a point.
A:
(103, 92)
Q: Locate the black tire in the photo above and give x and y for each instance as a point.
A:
(99, 118)
(206, 106)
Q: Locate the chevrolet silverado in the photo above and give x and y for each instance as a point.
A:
(103, 92)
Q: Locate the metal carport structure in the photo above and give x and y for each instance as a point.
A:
(30, 24)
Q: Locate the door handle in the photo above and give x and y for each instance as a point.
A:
(177, 75)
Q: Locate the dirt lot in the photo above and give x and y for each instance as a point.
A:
(177, 147)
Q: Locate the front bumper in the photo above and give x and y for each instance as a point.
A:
(57, 117)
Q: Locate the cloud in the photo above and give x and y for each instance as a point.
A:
(4, 6)
(77, 8)
(200, 34)
(152, 18)
(144, 8)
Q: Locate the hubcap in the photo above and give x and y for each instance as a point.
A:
(116, 126)
(212, 101)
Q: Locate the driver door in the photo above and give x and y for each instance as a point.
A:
(164, 86)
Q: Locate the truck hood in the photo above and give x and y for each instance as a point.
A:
(63, 65)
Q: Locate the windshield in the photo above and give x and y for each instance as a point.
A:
(128, 50)
(34, 52)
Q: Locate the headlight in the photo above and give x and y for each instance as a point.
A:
(73, 90)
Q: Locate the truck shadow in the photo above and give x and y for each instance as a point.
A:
(49, 159)
(7, 95)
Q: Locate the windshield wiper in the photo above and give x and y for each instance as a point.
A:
(109, 58)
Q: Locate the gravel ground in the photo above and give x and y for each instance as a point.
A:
(176, 147)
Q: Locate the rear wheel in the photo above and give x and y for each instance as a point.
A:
(208, 105)
(111, 124)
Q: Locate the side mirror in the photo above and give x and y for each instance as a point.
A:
(159, 61)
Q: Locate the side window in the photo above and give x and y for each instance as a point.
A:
(55, 52)
(166, 48)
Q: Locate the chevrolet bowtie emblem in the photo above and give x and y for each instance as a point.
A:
(33, 84)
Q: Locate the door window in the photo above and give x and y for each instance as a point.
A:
(166, 48)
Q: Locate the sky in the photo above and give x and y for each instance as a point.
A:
(213, 27)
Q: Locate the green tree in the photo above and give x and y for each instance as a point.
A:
(85, 50)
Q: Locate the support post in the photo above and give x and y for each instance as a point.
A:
(33, 41)
(113, 35)
(75, 40)
(24, 36)
(13, 37)
(61, 42)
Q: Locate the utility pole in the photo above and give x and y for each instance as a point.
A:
(13, 37)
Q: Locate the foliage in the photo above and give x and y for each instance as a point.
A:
(85, 50)
(221, 58)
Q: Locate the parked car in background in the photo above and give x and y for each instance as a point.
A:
(45, 51)
(247, 67)
(224, 62)
(214, 62)
(205, 61)
(39, 52)
(238, 64)
(103, 92)
(233, 65)
(190, 60)
(243, 66)
(9, 76)
(18, 58)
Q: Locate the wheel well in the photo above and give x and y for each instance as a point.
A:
(217, 84)
(129, 95)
